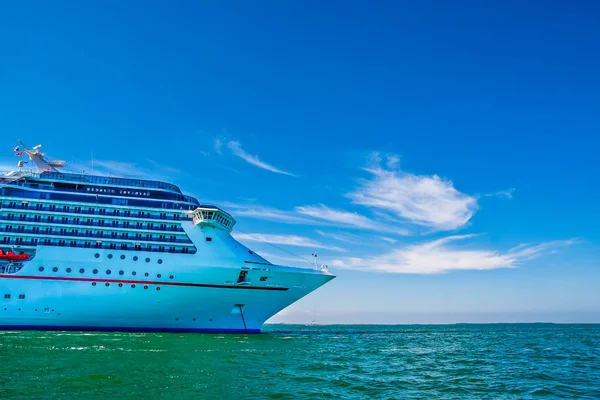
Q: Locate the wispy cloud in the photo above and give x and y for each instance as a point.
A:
(445, 255)
(218, 145)
(118, 168)
(507, 194)
(237, 150)
(266, 213)
(288, 240)
(346, 218)
(423, 200)
(341, 237)
(312, 215)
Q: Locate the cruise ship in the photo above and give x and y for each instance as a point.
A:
(88, 252)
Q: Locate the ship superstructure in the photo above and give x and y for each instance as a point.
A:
(112, 253)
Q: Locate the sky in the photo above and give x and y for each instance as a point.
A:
(440, 157)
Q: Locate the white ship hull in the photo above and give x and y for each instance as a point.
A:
(183, 293)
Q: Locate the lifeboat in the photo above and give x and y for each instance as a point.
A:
(11, 256)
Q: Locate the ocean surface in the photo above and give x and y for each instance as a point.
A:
(517, 361)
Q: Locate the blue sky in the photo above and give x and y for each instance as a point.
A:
(440, 158)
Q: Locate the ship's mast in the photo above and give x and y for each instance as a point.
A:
(40, 160)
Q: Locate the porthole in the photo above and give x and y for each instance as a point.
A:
(95, 271)
(54, 269)
(120, 285)
(135, 258)
(170, 276)
(122, 256)
(158, 275)
(40, 269)
(176, 319)
(209, 239)
(133, 285)
(107, 284)
(145, 287)
(157, 288)
(121, 272)
(147, 259)
(97, 255)
(160, 261)
(134, 273)
(146, 274)
(93, 283)
(81, 270)
(110, 256)
(193, 319)
(69, 270)
(108, 272)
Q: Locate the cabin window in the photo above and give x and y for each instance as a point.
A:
(7, 296)
(209, 239)
(21, 296)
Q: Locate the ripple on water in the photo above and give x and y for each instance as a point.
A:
(353, 362)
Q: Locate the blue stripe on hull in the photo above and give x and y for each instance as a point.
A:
(120, 329)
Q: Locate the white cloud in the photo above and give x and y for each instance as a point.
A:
(311, 215)
(218, 145)
(266, 213)
(341, 217)
(341, 237)
(237, 150)
(508, 193)
(288, 240)
(118, 168)
(10, 167)
(423, 200)
(444, 255)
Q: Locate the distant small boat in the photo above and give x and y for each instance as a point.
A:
(11, 256)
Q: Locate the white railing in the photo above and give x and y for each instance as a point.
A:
(213, 216)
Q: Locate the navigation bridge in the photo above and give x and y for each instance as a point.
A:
(212, 216)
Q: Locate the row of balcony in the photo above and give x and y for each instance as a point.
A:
(89, 211)
(84, 222)
(97, 235)
(97, 245)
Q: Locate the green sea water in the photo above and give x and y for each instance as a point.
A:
(307, 362)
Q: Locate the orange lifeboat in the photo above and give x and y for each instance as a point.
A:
(11, 256)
